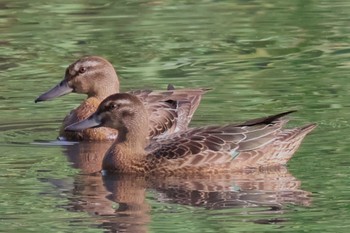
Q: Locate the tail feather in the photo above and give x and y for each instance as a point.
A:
(281, 150)
(308, 128)
(296, 133)
(266, 120)
(289, 142)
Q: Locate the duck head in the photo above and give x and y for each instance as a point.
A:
(91, 75)
(122, 111)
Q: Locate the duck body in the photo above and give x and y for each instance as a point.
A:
(225, 149)
(169, 111)
(211, 149)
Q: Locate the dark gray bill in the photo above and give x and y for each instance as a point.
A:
(60, 89)
(90, 122)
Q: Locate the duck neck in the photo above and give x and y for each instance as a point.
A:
(128, 151)
(105, 88)
(131, 139)
(103, 92)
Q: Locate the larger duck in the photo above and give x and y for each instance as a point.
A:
(212, 149)
(97, 78)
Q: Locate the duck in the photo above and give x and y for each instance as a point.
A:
(96, 77)
(255, 143)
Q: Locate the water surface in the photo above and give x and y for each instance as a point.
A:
(260, 57)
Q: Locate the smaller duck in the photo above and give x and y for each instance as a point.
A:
(97, 78)
(211, 149)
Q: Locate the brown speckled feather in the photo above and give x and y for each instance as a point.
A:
(206, 150)
(169, 111)
(257, 142)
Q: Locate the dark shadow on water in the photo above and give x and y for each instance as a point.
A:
(118, 202)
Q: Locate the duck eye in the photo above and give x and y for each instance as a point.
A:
(112, 106)
(82, 70)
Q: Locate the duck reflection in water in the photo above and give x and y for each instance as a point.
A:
(118, 202)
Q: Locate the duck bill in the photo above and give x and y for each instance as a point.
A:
(59, 90)
(91, 122)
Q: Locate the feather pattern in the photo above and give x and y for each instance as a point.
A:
(210, 149)
(169, 111)
(257, 142)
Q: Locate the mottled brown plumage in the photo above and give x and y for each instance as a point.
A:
(211, 149)
(169, 111)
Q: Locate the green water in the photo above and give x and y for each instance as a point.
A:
(260, 57)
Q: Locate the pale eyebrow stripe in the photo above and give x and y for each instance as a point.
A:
(124, 101)
(89, 64)
(92, 63)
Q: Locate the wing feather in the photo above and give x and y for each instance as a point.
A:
(170, 111)
(220, 144)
